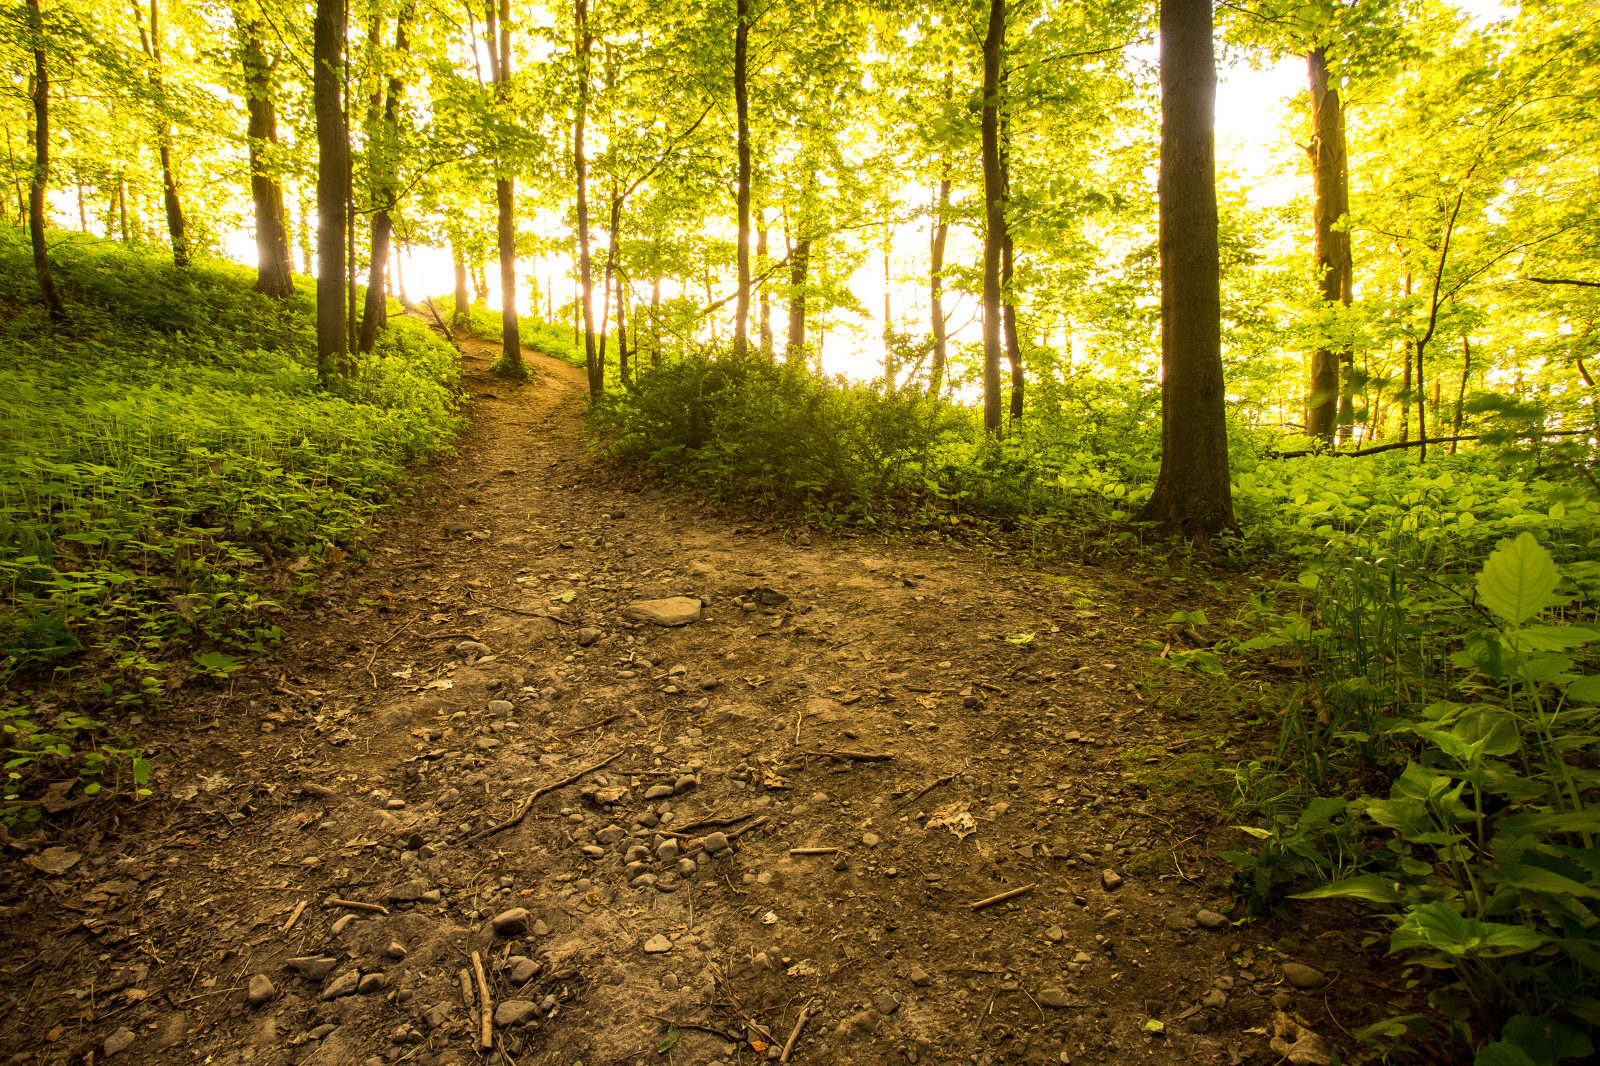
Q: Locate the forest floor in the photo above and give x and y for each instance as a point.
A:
(833, 693)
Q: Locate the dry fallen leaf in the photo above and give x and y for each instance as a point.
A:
(54, 861)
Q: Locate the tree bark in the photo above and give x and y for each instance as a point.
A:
(741, 100)
(498, 32)
(333, 154)
(622, 327)
(384, 151)
(274, 263)
(40, 175)
(1008, 306)
(177, 225)
(799, 265)
(1192, 496)
(1461, 393)
(766, 299)
(462, 299)
(1325, 407)
(941, 230)
(613, 250)
(596, 369)
(994, 213)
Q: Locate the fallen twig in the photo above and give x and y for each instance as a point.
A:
(732, 835)
(709, 822)
(1002, 897)
(813, 851)
(794, 1034)
(522, 811)
(379, 647)
(295, 917)
(713, 1030)
(531, 614)
(945, 780)
(485, 1011)
(357, 905)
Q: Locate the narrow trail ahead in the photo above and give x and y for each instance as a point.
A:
(828, 697)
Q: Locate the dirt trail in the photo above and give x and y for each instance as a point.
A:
(425, 698)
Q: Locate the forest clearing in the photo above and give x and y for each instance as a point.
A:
(629, 532)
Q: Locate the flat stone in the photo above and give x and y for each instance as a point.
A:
(1211, 919)
(1215, 999)
(871, 840)
(1302, 976)
(716, 842)
(657, 945)
(407, 891)
(117, 1042)
(395, 950)
(520, 969)
(668, 851)
(1052, 997)
(261, 990)
(919, 977)
(589, 635)
(655, 792)
(372, 982)
(1111, 880)
(884, 1003)
(687, 867)
(436, 1015)
(511, 923)
(313, 967)
(539, 928)
(610, 834)
(500, 707)
(343, 985)
(672, 611)
(685, 783)
(1055, 934)
(514, 1012)
(1177, 923)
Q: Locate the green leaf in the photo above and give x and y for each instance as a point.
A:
(669, 1041)
(1585, 690)
(1437, 927)
(1370, 887)
(1518, 580)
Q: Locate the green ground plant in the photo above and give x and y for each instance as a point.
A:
(169, 468)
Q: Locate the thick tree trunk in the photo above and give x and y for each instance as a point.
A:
(741, 101)
(177, 226)
(274, 263)
(596, 369)
(384, 153)
(1330, 189)
(613, 245)
(1192, 496)
(497, 33)
(994, 213)
(1008, 312)
(122, 206)
(941, 230)
(622, 328)
(799, 264)
(462, 299)
(1422, 403)
(40, 176)
(766, 296)
(333, 167)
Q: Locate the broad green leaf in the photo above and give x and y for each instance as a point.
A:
(1585, 690)
(1370, 887)
(1518, 580)
(1437, 926)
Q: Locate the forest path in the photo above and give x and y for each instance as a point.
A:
(423, 698)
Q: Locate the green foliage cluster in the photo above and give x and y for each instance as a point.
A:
(165, 467)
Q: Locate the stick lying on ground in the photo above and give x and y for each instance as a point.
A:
(522, 811)
(1002, 897)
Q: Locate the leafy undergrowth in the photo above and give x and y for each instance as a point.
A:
(169, 465)
(1426, 663)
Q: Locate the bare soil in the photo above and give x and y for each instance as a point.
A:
(835, 693)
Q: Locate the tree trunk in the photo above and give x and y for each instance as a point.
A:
(766, 301)
(480, 280)
(994, 212)
(177, 227)
(510, 361)
(384, 155)
(1422, 405)
(274, 264)
(1331, 193)
(941, 229)
(1008, 306)
(622, 328)
(333, 153)
(1192, 496)
(122, 206)
(613, 244)
(1008, 313)
(596, 369)
(655, 321)
(1461, 393)
(799, 264)
(307, 258)
(41, 168)
(463, 301)
(741, 101)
